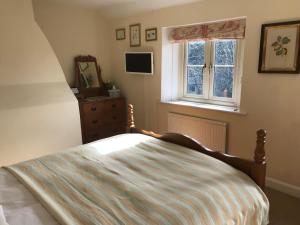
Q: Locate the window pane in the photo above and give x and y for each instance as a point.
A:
(196, 53)
(223, 81)
(225, 52)
(194, 80)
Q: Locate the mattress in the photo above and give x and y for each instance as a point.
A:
(130, 179)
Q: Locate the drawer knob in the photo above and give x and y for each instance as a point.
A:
(114, 117)
(113, 105)
(94, 121)
(94, 108)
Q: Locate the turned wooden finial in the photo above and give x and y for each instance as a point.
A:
(260, 154)
(130, 119)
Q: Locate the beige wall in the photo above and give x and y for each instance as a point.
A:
(38, 112)
(271, 101)
(74, 31)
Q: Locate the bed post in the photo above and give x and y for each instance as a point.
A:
(130, 119)
(258, 170)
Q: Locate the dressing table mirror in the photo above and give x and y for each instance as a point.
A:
(88, 77)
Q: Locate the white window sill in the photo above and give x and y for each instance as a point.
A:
(227, 109)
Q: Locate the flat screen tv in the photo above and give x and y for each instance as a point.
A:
(139, 62)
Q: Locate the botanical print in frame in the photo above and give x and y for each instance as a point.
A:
(279, 48)
(135, 35)
(151, 34)
(120, 34)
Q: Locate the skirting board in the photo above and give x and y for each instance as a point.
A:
(283, 187)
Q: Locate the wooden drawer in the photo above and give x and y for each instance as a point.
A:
(95, 134)
(104, 131)
(116, 128)
(94, 121)
(92, 108)
(117, 117)
(114, 105)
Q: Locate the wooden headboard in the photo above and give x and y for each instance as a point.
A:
(256, 168)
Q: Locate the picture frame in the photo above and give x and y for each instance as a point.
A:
(120, 34)
(151, 34)
(279, 48)
(135, 35)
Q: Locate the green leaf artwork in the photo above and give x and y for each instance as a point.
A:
(279, 46)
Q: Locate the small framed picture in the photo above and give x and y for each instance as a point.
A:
(120, 34)
(279, 48)
(135, 35)
(151, 34)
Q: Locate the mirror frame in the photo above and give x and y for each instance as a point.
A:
(93, 91)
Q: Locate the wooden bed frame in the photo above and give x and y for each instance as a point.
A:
(255, 169)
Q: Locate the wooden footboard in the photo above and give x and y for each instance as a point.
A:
(255, 169)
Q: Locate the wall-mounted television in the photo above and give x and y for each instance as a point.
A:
(139, 62)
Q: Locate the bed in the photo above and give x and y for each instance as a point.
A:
(137, 178)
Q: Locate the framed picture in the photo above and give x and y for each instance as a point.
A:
(120, 34)
(135, 35)
(151, 34)
(279, 48)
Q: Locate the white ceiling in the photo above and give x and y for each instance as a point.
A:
(119, 8)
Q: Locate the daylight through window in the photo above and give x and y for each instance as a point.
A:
(211, 71)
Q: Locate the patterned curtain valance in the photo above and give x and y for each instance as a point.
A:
(230, 29)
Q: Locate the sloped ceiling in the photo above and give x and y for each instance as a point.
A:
(38, 112)
(121, 8)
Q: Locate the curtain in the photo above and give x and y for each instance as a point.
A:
(230, 29)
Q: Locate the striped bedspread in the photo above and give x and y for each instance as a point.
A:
(135, 179)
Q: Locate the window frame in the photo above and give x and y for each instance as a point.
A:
(205, 75)
(208, 76)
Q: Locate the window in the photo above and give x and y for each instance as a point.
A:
(203, 63)
(212, 71)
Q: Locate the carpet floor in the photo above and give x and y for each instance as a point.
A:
(284, 209)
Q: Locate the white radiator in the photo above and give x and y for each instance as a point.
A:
(210, 133)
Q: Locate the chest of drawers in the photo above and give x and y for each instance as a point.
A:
(102, 118)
